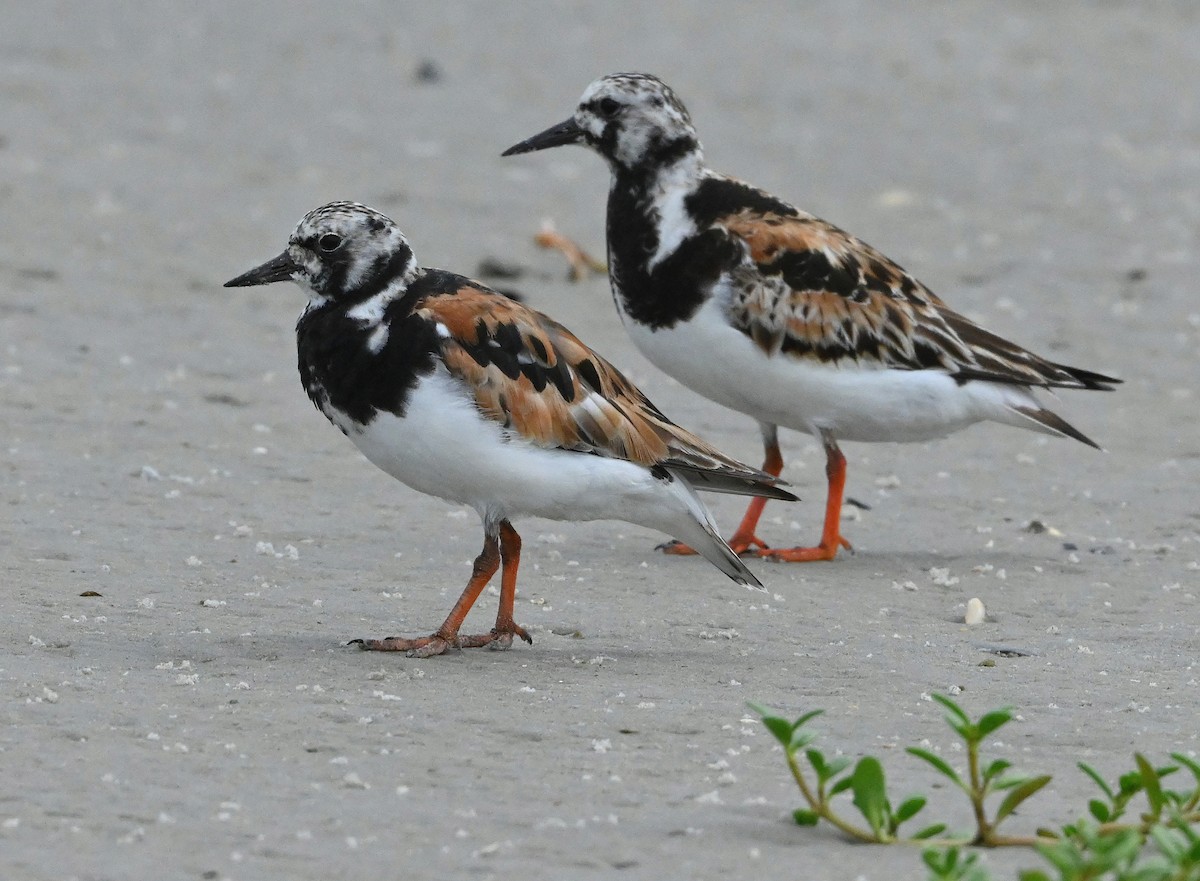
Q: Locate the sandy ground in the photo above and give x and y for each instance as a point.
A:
(1039, 167)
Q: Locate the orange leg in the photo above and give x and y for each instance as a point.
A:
(831, 536)
(446, 636)
(744, 540)
(502, 634)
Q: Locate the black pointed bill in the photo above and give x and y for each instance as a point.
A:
(279, 268)
(555, 136)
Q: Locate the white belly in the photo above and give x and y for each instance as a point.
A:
(710, 357)
(445, 447)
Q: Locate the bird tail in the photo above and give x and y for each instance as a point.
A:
(1049, 422)
(1087, 379)
(697, 529)
(750, 482)
(1017, 405)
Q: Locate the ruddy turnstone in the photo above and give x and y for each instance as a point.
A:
(780, 315)
(465, 394)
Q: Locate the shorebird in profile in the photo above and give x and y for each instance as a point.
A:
(782, 316)
(463, 393)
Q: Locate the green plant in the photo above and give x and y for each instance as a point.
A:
(1159, 844)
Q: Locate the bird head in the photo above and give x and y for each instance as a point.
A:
(342, 252)
(633, 120)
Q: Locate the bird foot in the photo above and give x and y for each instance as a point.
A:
(421, 647)
(499, 638)
(675, 548)
(823, 551)
(740, 545)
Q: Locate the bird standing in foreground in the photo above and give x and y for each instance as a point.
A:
(465, 394)
(780, 315)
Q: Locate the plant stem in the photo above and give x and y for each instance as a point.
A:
(822, 807)
(1145, 826)
(977, 793)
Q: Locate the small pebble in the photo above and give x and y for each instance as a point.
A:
(428, 71)
(976, 614)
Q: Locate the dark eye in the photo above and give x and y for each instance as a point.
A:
(608, 107)
(329, 242)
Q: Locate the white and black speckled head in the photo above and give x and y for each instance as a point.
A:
(633, 120)
(343, 252)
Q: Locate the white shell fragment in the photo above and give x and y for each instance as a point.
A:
(976, 614)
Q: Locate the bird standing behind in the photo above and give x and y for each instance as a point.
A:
(465, 394)
(780, 315)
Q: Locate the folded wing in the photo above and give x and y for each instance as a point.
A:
(810, 290)
(536, 378)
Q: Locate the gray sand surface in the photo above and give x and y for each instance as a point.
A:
(1036, 164)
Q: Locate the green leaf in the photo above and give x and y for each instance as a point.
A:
(929, 831)
(1064, 856)
(1033, 875)
(826, 769)
(994, 720)
(1009, 781)
(1169, 842)
(761, 709)
(957, 719)
(842, 785)
(1193, 852)
(1019, 794)
(995, 769)
(944, 865)
(800, 739)
(1110, 851)
(837, 766)
(1130, 784)
(780, 727)
(938, 763)
(909, 808)
(1099, 810)
(805, 817)
(1150, 781)
(870, 793)
(1188, 763)
(938, 860)
(807, 717)
(950, 704)
(1097, 779)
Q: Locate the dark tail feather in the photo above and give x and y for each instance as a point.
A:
(708, 480)
(1091, 381)
(1057, 425)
